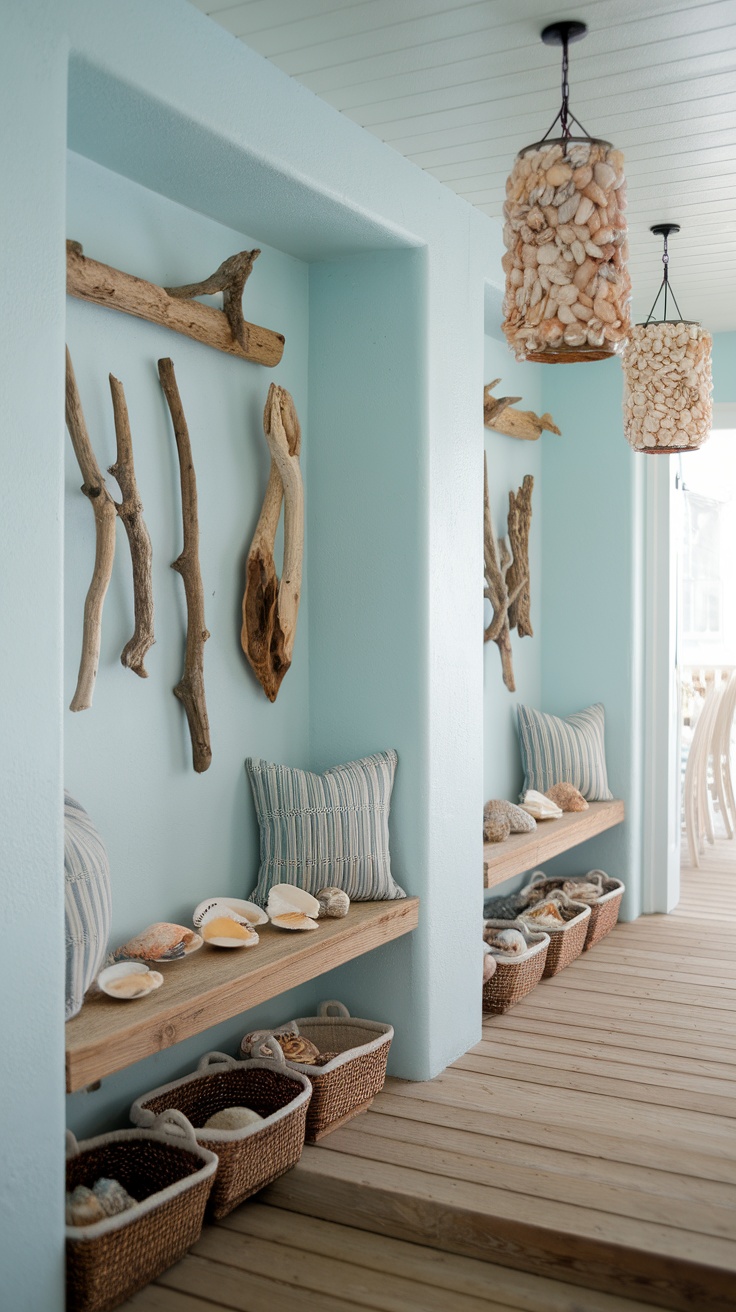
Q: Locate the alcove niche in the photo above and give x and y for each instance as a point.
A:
(161, 197)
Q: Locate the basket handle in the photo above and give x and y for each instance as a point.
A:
(268, 1048)
(175, 1126)
(72, 1147)
(333, 1008)
(216, 1059)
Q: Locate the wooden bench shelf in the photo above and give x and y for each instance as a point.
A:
(216, 984)
(522, 852)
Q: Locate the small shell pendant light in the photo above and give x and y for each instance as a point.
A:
(667, 376)
(567, 285)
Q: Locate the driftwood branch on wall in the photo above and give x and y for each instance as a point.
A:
(270, 606)
(190, 688)
(499, 414)
(519, 523)
(497, 560)
(103, 506)
(130, 510)
(100, 283)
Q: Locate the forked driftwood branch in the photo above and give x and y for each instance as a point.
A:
(519, 523)
(103, 506)
(497, 559)
(190, 688)
(230, 279)
(130, 510)
(100, 283)
(498, 414)
(270, 607)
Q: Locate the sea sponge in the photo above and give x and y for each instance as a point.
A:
(496, 827)
(567, 797)
(520, 821)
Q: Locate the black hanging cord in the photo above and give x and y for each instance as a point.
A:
(562, 34)
(664, 230)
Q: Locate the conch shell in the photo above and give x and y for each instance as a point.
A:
(224, 928)
(286, 898)
(159, 942)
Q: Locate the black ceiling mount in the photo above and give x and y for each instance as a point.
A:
(664, 229)
(564, 32)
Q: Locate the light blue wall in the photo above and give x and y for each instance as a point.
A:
(509, 460)
(163, 97)
(724, 366)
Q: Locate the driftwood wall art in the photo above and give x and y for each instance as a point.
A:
(130, 510)
(499, 414)
(507, 573)
(190, 688)
(103, 506)
(270, 606)
(225, 330)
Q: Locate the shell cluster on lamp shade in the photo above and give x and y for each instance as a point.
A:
(567, 285)
(667, 386)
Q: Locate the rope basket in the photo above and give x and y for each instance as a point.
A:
(346, 1084)
(171, 1177)
(604, 912)
(566, 943)
(515, 978)
(252, 1157)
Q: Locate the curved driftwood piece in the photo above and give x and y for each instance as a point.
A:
(190, 688)
(103, 506)
(270, 607)
(519, 523)
(130, 510)
(230, 279)
(100, 283)
(498, 414)
(497, 559)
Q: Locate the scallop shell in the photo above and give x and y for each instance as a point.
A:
(129, 970)
(286, 898)
(255, 915)
(293, 920)
(334, 903)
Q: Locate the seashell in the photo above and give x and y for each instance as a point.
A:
(505, 942)
(296, 1048)
(567, 797)
(489, 963)
(159, 942)
(285, 898)
(113, 1197)
(334, 903)
(232, 1118)
(249, 911)
(294, 920)
(324, 1058)
(540, 806)
(83, 1207)
(129, 980)
(225, 929)
(545, 915)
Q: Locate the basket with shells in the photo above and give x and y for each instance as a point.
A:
(343, 1057)
(520, 954)
(600, 891)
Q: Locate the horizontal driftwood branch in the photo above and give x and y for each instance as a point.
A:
(100, 283)
(499, 413)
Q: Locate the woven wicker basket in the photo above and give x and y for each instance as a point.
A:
(566, 943)
(250, 1158)
(515, 978)
(603, 913)
(347, 1084)
(170, 1175)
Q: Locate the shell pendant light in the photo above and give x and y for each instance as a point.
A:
(667, 376)
(567, 285)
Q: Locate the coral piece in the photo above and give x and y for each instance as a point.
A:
(496, 827)
(567, 797)
(232, 1118)
(333, 903)
(521, 822)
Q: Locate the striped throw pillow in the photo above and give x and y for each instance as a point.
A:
(569, 751)
(325, 829)
(87, 903)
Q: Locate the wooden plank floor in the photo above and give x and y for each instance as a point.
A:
(581, 1158)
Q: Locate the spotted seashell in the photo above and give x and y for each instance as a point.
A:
(333, 903)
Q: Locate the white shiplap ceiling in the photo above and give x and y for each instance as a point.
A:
(458, 86)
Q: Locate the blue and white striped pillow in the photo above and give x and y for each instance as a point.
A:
(569, 751)
(87, 902)
(325, 829)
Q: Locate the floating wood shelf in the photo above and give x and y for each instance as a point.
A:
(216, 984)
(522, 852)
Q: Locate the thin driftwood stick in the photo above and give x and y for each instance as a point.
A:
(499, 414)
(103, 506)
(190, 688)
(100, 283)
(497, 560)
(270, 608)
(130, 510)
(230, 279)
(519, 523)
